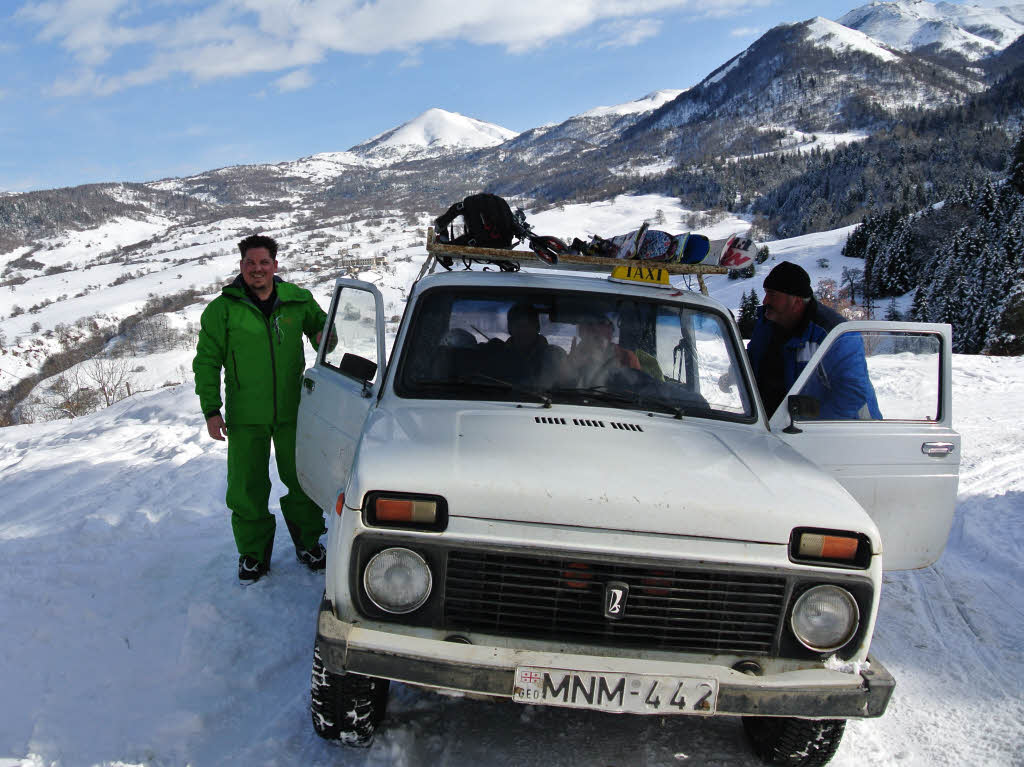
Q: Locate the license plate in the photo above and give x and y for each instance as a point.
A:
(627, 693)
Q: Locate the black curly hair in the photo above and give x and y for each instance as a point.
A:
(258, 241)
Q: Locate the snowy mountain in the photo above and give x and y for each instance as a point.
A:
(840, 39)
(814, 83)
(433, 132)
(971, 31)
(815, 76)
(638, 106)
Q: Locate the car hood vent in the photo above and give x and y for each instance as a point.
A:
(588, 422)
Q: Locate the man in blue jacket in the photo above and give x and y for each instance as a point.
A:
(789, 327)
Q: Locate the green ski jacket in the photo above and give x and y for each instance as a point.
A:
(262, 359)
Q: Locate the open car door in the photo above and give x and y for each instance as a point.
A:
(339, 390)
(899, 459)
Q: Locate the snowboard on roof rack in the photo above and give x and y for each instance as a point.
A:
(645, 244)
(737, 253)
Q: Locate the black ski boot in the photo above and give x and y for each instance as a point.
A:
(315, 558)
(251, 569)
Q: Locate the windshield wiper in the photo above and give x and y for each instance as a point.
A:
(677, 410)
(604, 394)
(488, 382)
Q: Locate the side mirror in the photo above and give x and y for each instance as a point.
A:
(801, 408)
(358, 367)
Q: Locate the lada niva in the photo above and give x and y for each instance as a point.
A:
(565, 491)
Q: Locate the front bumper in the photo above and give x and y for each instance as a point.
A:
(479, 669)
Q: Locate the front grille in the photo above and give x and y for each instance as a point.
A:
(690, 610)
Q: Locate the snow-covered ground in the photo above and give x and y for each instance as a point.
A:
(128, 641)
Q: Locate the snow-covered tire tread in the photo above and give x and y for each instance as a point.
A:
(794, 742)
(346, 708)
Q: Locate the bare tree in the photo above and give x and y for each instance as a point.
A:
(65, 335)
(853, 279)
(112, 377)
(68, 397)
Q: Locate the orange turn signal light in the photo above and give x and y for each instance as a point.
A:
(405, 510)
(412, 511)
(339, 505)
(830, 547)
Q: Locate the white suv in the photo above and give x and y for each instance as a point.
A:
(628, 532)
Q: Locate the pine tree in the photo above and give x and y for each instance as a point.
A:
(892, 314)
(1007, 335)
(897, 278)
(919, 306)
(939, 295)
(748, 314)
(982, 296)
(876, 266)
(856, 241)
(987, 202)
(1006, 326)
(1015, 168)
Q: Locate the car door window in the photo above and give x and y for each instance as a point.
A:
(353, 328)
(875, 376)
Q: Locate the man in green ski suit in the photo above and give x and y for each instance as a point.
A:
(253, 331)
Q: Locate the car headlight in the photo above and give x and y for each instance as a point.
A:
(825, 618)
(397, 580)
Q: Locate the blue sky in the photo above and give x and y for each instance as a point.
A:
(137, 90)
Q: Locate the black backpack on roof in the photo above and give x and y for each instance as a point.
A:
(489, 222)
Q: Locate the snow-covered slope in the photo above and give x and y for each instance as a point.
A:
(814, 76)
(127, 640)
(973, 31)
(637, 106)
(432, 132)
(835, 36)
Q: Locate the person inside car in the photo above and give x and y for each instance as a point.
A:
(526, 356)
(595, 358)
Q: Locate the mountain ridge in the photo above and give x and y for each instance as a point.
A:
(794, 82)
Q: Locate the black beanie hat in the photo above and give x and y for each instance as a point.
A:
(790, 279)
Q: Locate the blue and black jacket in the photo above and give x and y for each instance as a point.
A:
(841, 382)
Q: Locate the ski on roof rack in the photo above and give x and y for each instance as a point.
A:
(566, 261)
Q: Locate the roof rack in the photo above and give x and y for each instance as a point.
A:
(566, 261)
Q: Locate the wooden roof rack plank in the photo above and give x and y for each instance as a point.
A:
(567, 261)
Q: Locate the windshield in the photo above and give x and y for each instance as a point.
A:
(595, 349)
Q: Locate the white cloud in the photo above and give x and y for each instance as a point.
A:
(210, 39)
(411, 62)
(745, 32)
(622, 34)
(294, 81)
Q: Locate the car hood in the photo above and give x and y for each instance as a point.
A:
(600, 468)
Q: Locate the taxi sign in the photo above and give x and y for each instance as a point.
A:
(639, 273)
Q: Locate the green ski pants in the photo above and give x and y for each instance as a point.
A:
(249, 490)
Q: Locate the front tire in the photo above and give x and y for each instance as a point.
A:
(794, 742)
(346, 708)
